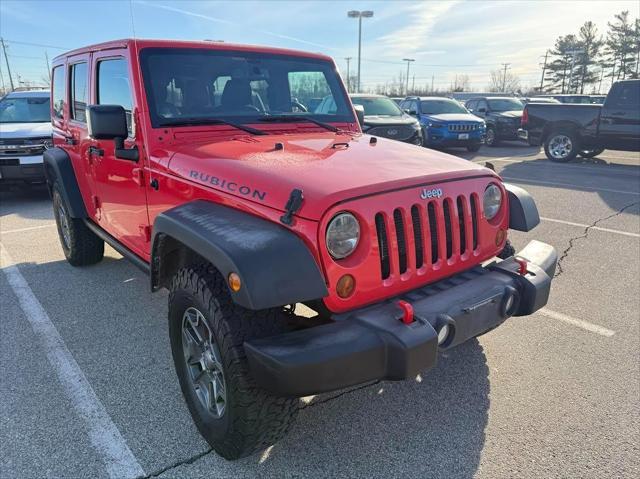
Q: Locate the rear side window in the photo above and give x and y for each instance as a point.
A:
(114, 87)
(58, 92)
(625, 96)
(79, 92)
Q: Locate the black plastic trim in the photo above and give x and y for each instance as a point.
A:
(119, 247)
(523, 213)
(58, 167)
(275, 266)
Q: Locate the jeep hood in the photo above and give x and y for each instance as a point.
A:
(25, 130)
(328, 168)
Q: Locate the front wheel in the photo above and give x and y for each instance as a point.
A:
(590, 153)
(561, 146)
(491, 137)
(473, 147)
(207, 332)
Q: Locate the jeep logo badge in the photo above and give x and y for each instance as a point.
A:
(434, 193)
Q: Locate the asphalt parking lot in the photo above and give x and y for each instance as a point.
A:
(556, 394)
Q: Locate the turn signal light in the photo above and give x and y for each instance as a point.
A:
(234, 282)
(345, 286)
(501, 235)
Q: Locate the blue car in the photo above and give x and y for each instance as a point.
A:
(445, 122)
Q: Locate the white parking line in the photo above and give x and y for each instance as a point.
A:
(29, 228)
(592, 328)
(103, 433)
(571, 185)
(597, 228)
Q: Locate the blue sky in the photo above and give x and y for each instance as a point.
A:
(446, 38)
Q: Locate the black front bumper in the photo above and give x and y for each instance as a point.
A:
(373, 343)
(17, 172)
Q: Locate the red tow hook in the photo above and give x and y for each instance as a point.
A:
(407, 312)
(522, 263)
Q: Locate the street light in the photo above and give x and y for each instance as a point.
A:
(408, 60)
(359, 15)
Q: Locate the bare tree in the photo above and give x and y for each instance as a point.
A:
(498, 78)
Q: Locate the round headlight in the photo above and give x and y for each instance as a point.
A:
(343, 234)
(491, 201)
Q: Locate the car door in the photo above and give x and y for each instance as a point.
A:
(620, 117)
(120, 183)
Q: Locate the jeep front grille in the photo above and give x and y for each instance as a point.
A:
(426, 235)
(462, 127)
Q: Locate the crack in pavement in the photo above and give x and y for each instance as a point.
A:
(331, 398)
(182, 462)
(585, 233)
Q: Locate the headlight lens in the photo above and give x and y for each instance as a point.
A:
(491, 201)
(433, 124)
(343, 234)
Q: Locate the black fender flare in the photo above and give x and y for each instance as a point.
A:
(275, 266)
(58, 167)
(523, 212)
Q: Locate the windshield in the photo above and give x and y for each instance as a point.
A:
(22, 109)
(437, 107)
(377, 106)
(505, 104)
(191, 85)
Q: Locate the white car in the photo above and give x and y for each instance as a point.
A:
(25, 132)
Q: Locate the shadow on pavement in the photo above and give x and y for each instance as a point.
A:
(27, 201)
(431, 428)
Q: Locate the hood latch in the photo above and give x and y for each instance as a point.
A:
(293, 204)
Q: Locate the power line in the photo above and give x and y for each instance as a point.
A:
(36, 44)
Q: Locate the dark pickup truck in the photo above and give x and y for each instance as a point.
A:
(567, 131)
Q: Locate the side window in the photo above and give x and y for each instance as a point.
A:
(58, 92)
(79, 92)
(483, 104)
(113, 86)
(413, 106)
(625, 96)
(472, 105)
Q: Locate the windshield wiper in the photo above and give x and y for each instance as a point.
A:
(212, 121)
(295, 118)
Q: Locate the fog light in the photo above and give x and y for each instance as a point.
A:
(234, 282)
(443, 333)
(500, 237)
(510, 302)
(345, 286)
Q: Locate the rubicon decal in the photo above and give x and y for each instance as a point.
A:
(433, 193)
(225, 184)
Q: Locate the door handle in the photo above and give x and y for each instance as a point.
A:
(95, 151)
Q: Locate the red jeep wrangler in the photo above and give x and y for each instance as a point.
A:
(202, 164)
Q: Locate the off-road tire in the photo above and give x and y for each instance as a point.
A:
(81, 247)
(473, 147)
(571, 152)
(253, 418)
(491, 139)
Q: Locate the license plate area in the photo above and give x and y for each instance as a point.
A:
(463, 136)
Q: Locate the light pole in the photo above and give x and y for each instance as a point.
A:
(573, 54)
(348, 75)
(359, 15)
(408, 60)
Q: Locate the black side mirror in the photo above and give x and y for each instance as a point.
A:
(482, 110)
(359, 109)
(109, 122)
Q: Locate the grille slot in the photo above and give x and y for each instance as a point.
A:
(462, 127)
(402, 244)
(474, 220)
(417, 235)
(433, 229)
(461, 218)
(383, 246)
(443, 229)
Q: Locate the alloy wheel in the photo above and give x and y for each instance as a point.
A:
(560, 147)
(204, 362)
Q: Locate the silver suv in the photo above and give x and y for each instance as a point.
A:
(25, 132)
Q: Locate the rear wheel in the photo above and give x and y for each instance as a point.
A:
(590, 153)
(207, 331)
(561, 146)
(80, 245)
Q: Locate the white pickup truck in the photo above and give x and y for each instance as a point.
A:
(25, 132)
